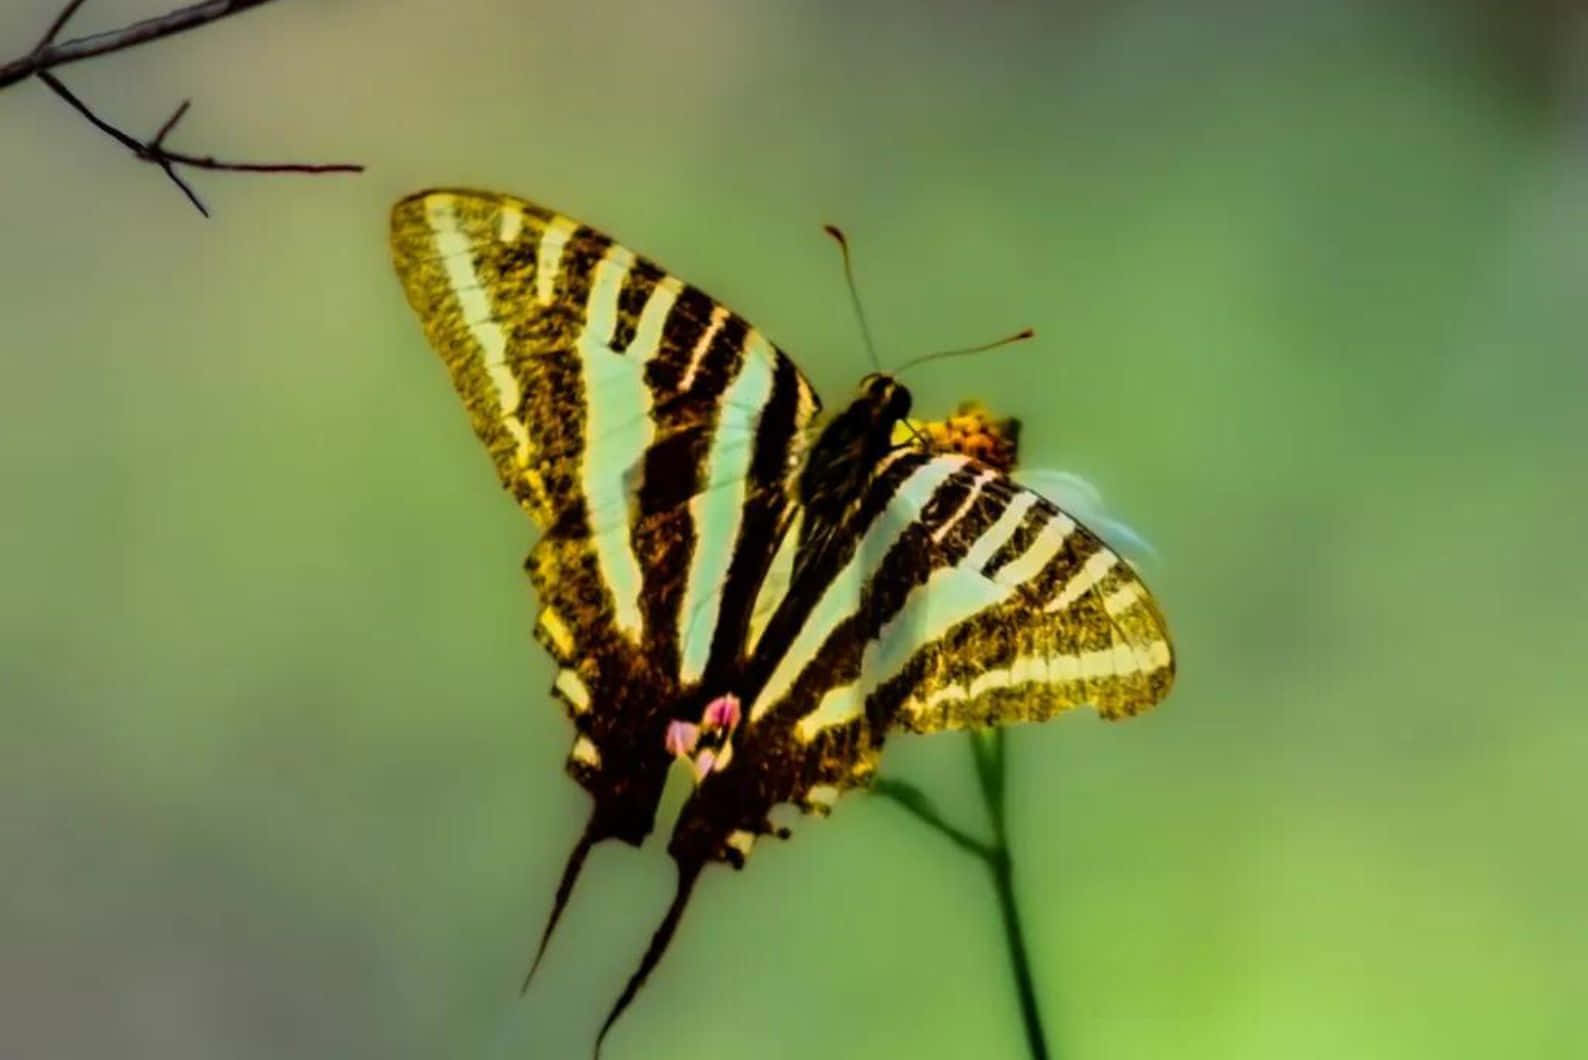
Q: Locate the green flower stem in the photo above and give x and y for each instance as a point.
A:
(988, 754)
(914, 800)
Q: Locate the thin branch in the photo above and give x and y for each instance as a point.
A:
(170, 123)
(142, 151)
(59, 24)
(47, 54)
(211, 162)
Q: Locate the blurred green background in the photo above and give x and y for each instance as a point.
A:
(280, 775)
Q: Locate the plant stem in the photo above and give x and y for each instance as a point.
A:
(1014, 937)
(988, 754)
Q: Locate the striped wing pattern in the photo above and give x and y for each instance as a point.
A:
(958, 599)
(947, 597)
(993, 607)
(650, 431)
(696, 546)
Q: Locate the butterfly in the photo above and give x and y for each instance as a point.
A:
(726, 577)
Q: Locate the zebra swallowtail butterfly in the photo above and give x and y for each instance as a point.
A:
(724, 577)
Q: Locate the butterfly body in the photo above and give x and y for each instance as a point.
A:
(722, 580)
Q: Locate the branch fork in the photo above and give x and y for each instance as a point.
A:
(48, 54)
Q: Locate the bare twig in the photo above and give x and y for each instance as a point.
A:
(59, 24)
(150, 152)
(47, 54)
(170, 123)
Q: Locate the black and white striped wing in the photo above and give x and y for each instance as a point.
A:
(953, 598)
(992, 607)
(969, 600)
(947, 596)
(652, 432)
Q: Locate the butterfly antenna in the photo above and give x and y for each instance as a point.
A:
(570, 873)
(1019, 336)
(854, 293)
(687, 874)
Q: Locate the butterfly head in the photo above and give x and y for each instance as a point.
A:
(885, 396)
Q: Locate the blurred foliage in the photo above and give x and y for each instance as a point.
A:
(282, 777)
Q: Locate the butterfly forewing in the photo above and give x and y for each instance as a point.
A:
(635, 418)
(650, 431)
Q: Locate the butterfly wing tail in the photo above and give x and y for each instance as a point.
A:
(688, 872)
(570, 875)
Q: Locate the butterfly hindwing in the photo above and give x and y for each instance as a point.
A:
(952, 598)
(943, 595)
(1033, 616)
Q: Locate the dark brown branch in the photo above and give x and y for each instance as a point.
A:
(170, 123)
(47, 54)
(154, 150)
(59, 24)
(147, 152)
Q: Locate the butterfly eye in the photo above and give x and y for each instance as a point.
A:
(898, 401)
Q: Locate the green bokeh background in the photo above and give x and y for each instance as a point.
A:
(279, 773)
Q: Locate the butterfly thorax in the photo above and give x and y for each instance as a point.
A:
(846, 453)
